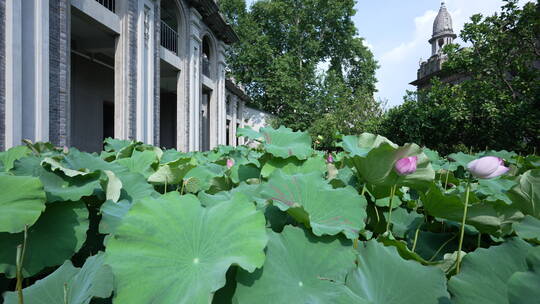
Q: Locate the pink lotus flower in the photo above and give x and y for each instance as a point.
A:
(406, 165)
(487, 167)
(230, 163)
(329, 159)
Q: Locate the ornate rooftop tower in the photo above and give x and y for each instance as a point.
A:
(443, 33)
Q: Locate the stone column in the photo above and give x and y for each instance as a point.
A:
(220, 91)
(2, 74)
(145, 71)
(234, 117)
(59, 75)
(125, 71)
(194, 57)
(27, 71)
(242, 114)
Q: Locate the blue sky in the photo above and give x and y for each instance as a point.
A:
(397, 32)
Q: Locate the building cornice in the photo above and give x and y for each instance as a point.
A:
(211, 16)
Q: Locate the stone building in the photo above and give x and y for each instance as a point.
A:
(443, 34)
(74, 72)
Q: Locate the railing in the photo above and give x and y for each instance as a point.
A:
(169, 38)
(109, 4)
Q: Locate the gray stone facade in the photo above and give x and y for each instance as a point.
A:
(59, 76)
(2, 73)
(116, 53)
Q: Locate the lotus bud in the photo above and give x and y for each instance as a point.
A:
(230, 163)
(329, 159)
(406, 165)
(487, 167)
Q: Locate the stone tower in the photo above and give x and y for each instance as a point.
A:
(443, 33)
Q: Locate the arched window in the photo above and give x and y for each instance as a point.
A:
(206, 56)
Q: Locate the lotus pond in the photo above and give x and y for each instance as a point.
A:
(278, 223)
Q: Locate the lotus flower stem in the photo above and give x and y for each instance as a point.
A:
(65, 293)
(479, 240)
(415, 238)
(165, 190)
(363, 190)
(392, 192)
(462, 232)
(19, 263)
(446, 180)
(183, 184)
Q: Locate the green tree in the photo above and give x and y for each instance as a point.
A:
(497, 105)
(283, 45)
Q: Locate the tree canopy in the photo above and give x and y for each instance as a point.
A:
(304, 62)
(497, 104)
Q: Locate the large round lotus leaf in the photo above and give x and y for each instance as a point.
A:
(22, 200)
(7, 158)
(311, 200)
(140, 162)
(523, 287)
(293, 166)
(299, 268)
(248, 132)
(202, 177)
(383, 277)
(485, 216)
(92, 280)
(485, 273)
(528, 229)
(284, 142)
(374, 158)
(57, 187)
(363, 144)
(494, 189)
(172, 172)
(55, 237)
(461, 158)
(526, 195)
(173, 250)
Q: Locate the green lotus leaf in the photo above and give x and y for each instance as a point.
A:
(526, 195)
(293, 166)
(203, 176)
(172, 172)
(243, 172)
(495, 189)
(58, 187)
(404, 221)
(135, 187)
(299, 268)
(312, 201)
(383, 277)
(248, 132)
(363, 144)
(486, 217)
(82, 284)
(59, 232)
(462, 159)
(402, 249)
(21, 202)
(523, 286)
(115, 145)
(181, 249)
(112, 214)
(8, 158)
(250, 191)
(284, 142)
(140, 162)
(374, 158)
(528, 229)
(485, 273)
(56, 165)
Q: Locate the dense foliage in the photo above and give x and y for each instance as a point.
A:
(497, 105)
(279, 223)
(303, 62)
